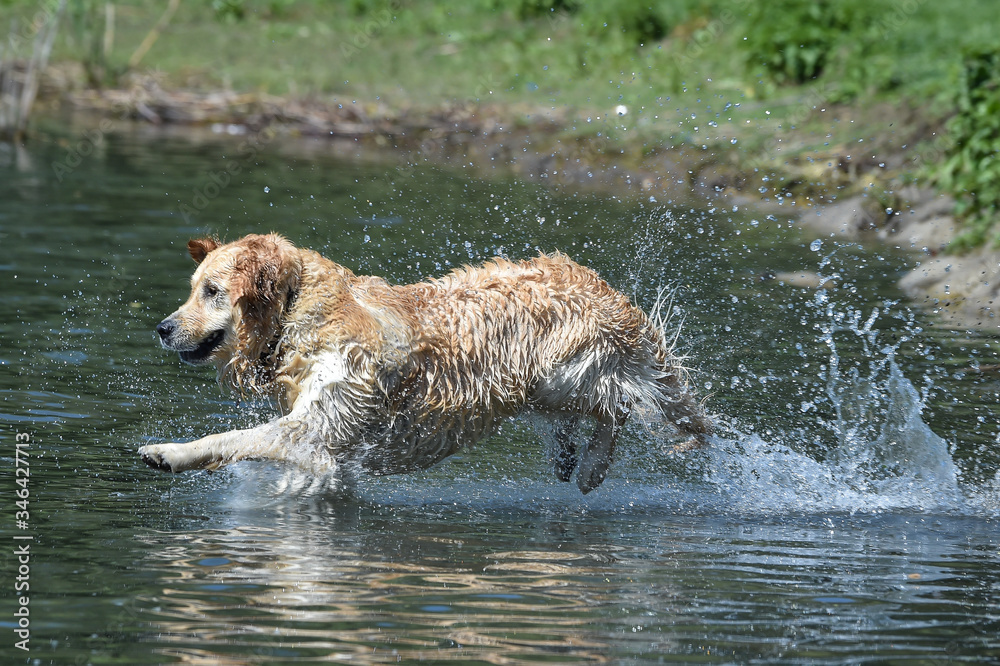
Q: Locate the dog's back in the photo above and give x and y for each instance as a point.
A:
(546, 334)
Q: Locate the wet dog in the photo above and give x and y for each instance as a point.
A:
(395, 378)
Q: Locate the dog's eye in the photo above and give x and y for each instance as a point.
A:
(210, 291)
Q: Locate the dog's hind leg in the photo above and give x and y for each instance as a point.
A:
(600, 451)
(564, 458)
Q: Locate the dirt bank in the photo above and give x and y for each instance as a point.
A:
(964, 290)
(840, 198)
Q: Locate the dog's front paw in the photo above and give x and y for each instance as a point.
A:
(162, 457)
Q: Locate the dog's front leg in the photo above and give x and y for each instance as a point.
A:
(214, 451)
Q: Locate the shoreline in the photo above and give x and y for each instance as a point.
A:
(538, 145)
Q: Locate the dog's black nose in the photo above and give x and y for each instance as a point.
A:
(165, 328)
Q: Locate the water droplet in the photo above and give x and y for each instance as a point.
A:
(816, 245)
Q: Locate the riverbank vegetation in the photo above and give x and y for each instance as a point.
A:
(784, 99)
(20, 77)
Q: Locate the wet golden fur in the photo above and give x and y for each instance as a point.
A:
(397, 377)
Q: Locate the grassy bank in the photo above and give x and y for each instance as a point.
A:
(537, 52)
(783, 98)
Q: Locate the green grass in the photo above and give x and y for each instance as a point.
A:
(419, 53)
(697, 73)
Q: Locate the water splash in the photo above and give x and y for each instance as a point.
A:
(903, 466)
(884, 458)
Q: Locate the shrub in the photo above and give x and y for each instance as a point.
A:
(529, 9)
(971, 172)
(633, 22)
(229, 10)
(638, 21)
(795, 41)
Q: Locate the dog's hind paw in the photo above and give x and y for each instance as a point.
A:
(592, 473)
(589, 480)
(692, 444)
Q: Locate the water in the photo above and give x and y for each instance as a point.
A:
(846, 513)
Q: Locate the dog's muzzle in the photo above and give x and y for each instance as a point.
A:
(194, 354)
(165, 329)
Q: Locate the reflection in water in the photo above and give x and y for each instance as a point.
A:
(347, 583)
(847, 512)
(276, 596)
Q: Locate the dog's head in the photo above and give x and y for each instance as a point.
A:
(239, 295)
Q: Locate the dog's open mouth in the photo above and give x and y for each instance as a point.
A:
(201, 353)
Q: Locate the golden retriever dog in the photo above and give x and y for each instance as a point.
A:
(395, 378)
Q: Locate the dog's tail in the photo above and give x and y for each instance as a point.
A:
(667, 391)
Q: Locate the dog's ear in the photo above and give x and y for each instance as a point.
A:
(266, 270)
(199, 248)
(265, 281)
